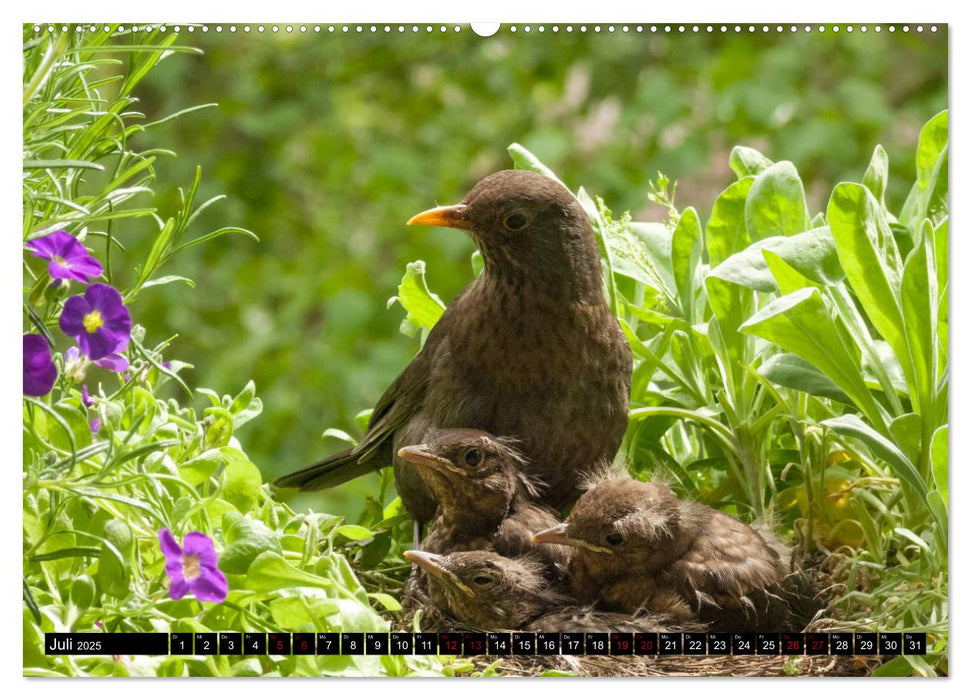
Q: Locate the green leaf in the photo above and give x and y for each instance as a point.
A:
(747, 161)
(928, 197)
(246, 539)
(388, 602)
(241, 485)
(919, 302)
(939, 459)
(869, 257)
(354, 532)
(523, 159)
(198, 469)
(776, 204)
(244, 397)
(786, 276)
(851, 426)
(789, 370)
(270, 571)
(875, 177)
(686, 244)
(801, 323)
(424, 308)
(811, 253)
(725, 233)
(168, 279)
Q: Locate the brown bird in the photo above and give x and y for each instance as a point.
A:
(530, 349)
(635, 541)
(487, 591)
(483, 497)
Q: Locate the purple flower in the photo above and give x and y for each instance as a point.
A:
(98, 320)
(39, 369)
(75, 365)
(193, 568)
(68, 258)
(114, 361)
(95, 425)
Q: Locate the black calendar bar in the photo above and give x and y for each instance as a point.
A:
(491, 643)
(98, 643)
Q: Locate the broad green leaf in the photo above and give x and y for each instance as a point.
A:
(656, 239)
(725, 233)
(270, 572)
(801, 323)
(686, 245)
(919, 302)
(811, 253)
(198, 469)
(747, 161)
(241, 485)
(354, 532)
(869, 258)
(905, 431)
(875, 177)
(928, 197)
(424, 308)
(292, 612)
(246, 539)
(789, 370)
(776, 204)
(786, 276)
(523, 159)
(851, 426)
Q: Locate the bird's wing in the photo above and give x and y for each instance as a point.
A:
(726, 562)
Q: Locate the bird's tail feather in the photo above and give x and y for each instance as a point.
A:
(328, 472)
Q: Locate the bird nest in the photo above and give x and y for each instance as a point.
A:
(646, 666)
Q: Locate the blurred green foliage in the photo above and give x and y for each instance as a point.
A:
(327, 143)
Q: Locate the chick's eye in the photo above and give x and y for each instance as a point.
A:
(614, 539)
(482, 580)
(515, 221)
(473, 457)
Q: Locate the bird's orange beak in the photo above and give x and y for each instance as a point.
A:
(421, 457)
(432, 565)
(452, 216)
(559, 534)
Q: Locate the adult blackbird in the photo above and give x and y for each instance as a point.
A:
(530, 349)
(487, 591)
(483, 497)
(635, 541)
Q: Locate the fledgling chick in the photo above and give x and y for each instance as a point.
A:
(483, 496)
(490, 592)
(635, 541)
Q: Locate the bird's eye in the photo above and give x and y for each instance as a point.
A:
(614, 539)
(515, 221)
(482, 580)
(473, 457)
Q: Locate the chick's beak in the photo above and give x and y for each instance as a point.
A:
(452, 216)
(421, 457)
(559, 534)
(432, 565)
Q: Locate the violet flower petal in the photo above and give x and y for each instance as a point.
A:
(178, 586)
(210, 586)
(40, 372)
(170, 547)
(72, 316)
(68, 257)
(200, 545)
(113, 362)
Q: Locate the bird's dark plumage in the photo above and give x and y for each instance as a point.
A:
(486, 591)
(530, 350)
(635, 541)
